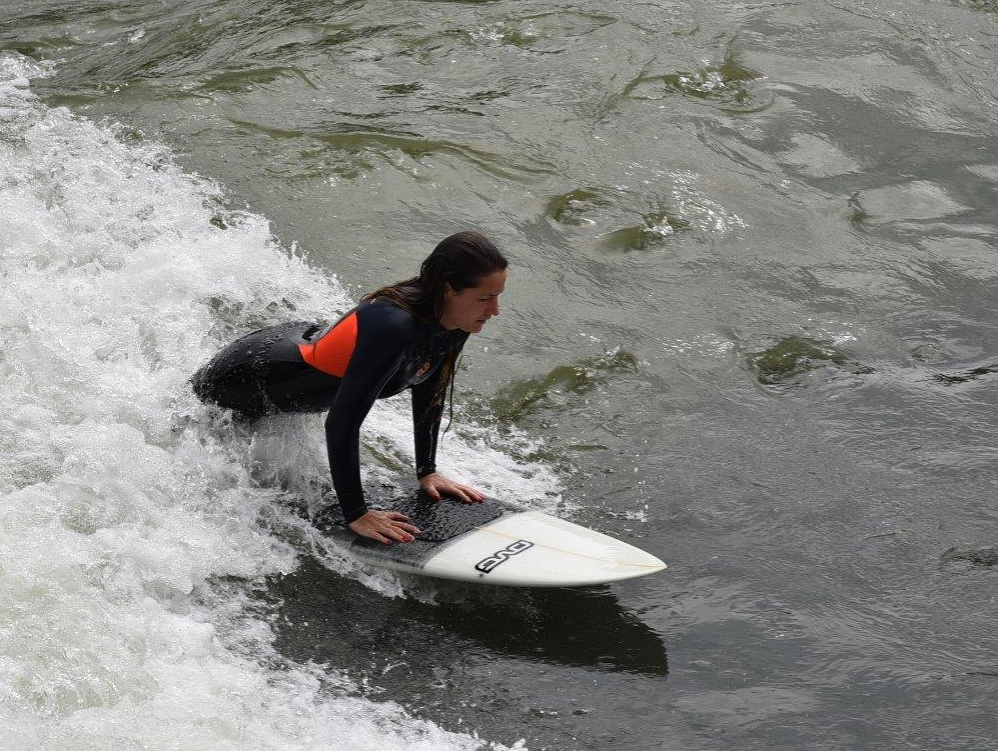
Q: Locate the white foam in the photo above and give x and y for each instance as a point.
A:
(121, 507)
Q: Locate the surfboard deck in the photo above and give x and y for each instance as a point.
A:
(494, 543)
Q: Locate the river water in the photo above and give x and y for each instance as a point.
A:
(749, 326)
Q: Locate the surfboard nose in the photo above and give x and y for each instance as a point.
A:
(534, 549)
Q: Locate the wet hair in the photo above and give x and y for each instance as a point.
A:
(461, 261)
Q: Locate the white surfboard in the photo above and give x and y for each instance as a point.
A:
(496, 543)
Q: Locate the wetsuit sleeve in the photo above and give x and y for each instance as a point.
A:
(426, 425)
(380, 349)
(426, 420)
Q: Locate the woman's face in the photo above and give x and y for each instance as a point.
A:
(470, 308)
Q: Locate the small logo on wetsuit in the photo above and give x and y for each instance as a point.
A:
(424, 369)
(500, 556)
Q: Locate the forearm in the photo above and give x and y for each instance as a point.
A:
(343, 447)
(426, 428)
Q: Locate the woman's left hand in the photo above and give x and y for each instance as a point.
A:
(436, 486)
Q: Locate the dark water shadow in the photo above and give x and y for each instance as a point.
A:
(785, 365)
(966, 376)
(325, 618)
(556, 390)
(986, 557)
(725, 84)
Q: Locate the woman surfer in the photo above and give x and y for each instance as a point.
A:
(404, 336)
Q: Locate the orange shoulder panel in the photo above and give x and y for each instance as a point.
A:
(331, 354)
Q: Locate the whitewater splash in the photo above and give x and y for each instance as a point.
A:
(121, 510)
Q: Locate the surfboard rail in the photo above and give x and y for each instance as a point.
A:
(498, 543)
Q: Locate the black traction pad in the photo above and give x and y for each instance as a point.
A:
(437, 521)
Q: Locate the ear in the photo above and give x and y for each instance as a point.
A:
(448, 290)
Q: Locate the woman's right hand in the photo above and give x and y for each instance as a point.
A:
(385, 526)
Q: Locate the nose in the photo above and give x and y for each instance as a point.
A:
(494, 308)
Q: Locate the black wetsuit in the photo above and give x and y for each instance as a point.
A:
(376, 350)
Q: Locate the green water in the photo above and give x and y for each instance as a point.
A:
(750, 316)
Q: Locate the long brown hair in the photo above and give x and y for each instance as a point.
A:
(460, 261)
